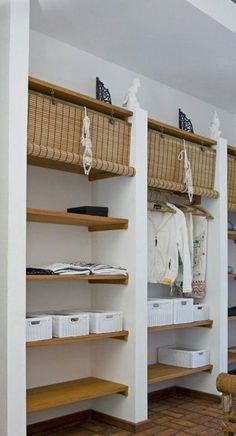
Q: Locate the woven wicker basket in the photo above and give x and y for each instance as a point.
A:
(55, 130)
(232, 183)
(164, 165)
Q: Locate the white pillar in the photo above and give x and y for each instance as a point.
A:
(14, 39)
(125, 362)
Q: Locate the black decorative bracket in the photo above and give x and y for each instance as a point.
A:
(184, 122)
(102, 93)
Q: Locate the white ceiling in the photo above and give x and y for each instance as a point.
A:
(167, 40)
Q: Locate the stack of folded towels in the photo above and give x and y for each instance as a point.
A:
(76, 268)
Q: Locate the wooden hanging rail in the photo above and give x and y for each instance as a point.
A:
(60, 394)
(94, 223)
(160, 328)
(179, 133)
(122, 335)
(91, 278)
(77, 98)
(159, 372)
(232, 318)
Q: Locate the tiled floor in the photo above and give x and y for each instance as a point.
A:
(178, 415)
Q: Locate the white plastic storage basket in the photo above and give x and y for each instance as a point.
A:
(38, 327)
(64, 325)
(185, 357)
(160, 312)
(183, 310)
(200, 312)
(105, 321)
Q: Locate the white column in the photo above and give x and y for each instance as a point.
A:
(14, 34)
(125, 362)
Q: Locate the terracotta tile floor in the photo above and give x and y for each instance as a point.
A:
(178, 415)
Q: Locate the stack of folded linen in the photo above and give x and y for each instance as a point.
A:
(58, 268)
(101, 269)
(80, 268)
(36, 270)
(69, 268)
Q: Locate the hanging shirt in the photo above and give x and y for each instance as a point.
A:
(199, 256)
(197, 232)
(167, 241)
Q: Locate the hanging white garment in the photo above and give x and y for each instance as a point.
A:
(200, 224)
(177, 289)
(189, 224)
(167, 241)
(197, 235)
(86, 142)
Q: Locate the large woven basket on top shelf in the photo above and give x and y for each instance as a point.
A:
(166, 171)
(55, 130)
(232, 182)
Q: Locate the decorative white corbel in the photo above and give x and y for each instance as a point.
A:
(131, 101)
(214, 128)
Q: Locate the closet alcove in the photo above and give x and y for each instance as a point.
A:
(119, 371)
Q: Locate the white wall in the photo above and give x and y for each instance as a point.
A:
(60, 63)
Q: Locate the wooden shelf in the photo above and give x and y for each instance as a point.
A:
(208, 323)
(94, 223)
(232, 276)
(77, 98)
(122, 335)
(159, 372)
(92, 278)
(232, 318)
(231, 150)
(232, 234)
(231, 356)
(179, 133)
(47, 397)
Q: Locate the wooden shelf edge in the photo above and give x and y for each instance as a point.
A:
(94, 223)
(94, 174)
(159, 372)
(77, 98)
(179, 133)
(232, 234)
(206, 323)
(60, 394)
(92, 278)
(232, 276)
(122, 335)
(231, 356)
(232, 318)
(231, 150)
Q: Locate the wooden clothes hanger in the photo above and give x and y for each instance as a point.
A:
(203, 212)
(195, 210)
(160, 206)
